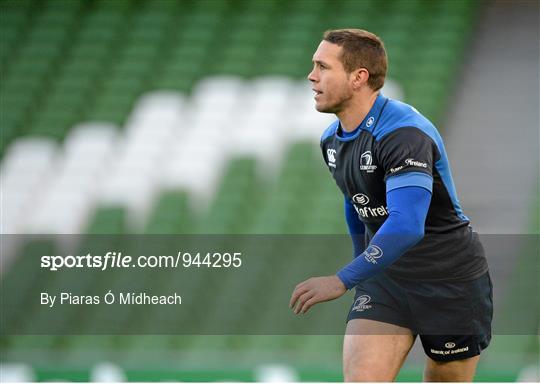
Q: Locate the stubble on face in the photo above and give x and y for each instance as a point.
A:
(337, 100)
(332, 82)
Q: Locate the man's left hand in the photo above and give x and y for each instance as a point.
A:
(315, 290)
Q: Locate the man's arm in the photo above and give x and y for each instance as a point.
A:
(404, 227)
(356, 227)
(408, 206)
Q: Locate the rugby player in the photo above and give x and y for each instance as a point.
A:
(419, 268)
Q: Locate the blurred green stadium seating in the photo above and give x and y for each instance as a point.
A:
(68, 61)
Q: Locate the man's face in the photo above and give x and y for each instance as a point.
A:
(329, 79)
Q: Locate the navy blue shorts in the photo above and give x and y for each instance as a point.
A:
(452, 318)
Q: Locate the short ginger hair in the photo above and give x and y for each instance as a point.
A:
(361, 49)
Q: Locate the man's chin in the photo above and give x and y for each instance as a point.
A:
(324, 108)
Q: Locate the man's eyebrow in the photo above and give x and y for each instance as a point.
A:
(319, 62)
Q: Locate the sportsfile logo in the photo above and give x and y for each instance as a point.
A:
(372, 253)
(366, 162)
(331, 155)
(361, 303)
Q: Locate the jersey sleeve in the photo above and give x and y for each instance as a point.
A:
(356, 228)
(403, 228)
(328, 132)
(407, 156)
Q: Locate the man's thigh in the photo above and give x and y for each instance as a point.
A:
(458, 370)
(374, 351)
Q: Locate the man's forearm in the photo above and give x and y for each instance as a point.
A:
(403, 228)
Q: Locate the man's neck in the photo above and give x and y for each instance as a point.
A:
(354, 114)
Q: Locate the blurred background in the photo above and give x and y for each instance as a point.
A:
(181, 117)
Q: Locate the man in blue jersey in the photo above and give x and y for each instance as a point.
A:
(419, 269)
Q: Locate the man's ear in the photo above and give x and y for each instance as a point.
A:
(360, 77)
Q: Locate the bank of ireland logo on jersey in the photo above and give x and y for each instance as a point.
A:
(361, 303)
(415, 163)
(366, 162)
(370, 121)
(331, 155)
(360, 198)
(372, 253)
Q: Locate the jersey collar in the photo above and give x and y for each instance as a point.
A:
(369, 122)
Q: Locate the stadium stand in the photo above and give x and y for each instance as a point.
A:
(166, 117)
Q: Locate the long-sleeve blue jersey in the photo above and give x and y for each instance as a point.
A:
(394, 148)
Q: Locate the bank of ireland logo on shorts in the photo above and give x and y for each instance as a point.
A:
(361, 303)
(360, 198)
(366, 162)
(331, 154)
(450, 349)
(372, 253)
